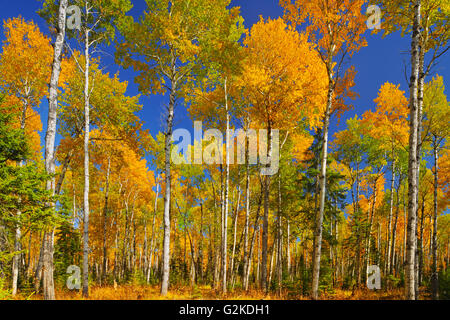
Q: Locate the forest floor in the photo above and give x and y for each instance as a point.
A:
(139, 292)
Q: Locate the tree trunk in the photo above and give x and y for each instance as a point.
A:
(279, 238)
(274, 250)
(48, 284)
(233, 252)
(265, 233)
(405, 227)
(252, 243)
(38, 271)
(319, 215)
(18, 232)
(412, 168)
(62, 175)
(247, 216)
(200, 247)
(152, 243)
(227, 182)
(288, 246)
(86, 168)
(434, 273)
(394, 229)
(420, 248)
(17, 255)
(420, 84)
(391, 210)
(167, 195)
(105, 221)
(369, 233)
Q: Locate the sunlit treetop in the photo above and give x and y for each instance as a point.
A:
(101, 21)
(283, 78)
(25, 61)
(436, 109)
(335, 25)
(167, 40)
(389, 121)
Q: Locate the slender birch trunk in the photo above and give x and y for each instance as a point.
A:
(369, 233)
(391, 211)
(252, 243)
(105, 221)
(412, 168)
(405, 226)
(62, 175)
(319, 215)
(38, 271)
(152, 243)
(233, 252)
(288, 246)
(394, 229)
(420, 84)
(167, 195)
(274, 250)
(247, 215)
(265, 233)
(86, 165)
(48, 284)
(18, 231)
(434, 272)
(227, 182)
(279, 238)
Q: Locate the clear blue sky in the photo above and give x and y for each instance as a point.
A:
(382, 60)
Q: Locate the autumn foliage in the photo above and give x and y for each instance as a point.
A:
(158, 229)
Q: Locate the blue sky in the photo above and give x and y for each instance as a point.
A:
(382, 60)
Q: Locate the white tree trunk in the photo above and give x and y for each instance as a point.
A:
(152, 245)
(227, 183)
(319, 215)
(247, 216)
(265, 231)
(18, 231)
(434, 273)
(167, 195)
(48, 284)
(412, 168)
(391, 211)
(86, 167)
(105, 221)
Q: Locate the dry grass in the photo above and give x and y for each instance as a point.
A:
(397, 294)
(135, 292)
(138, 292)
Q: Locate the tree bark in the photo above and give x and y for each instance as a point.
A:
(105, 221)
(391, 211)
(227, 182)
(86, 166)
(233, 252)
(167, 195)
(247, 216)
(48, 284)
(434, 273)
(152, 245)
(319, 215)
(265, 233)
(18, 232)
(394, 229)
(412, 168)
(252, 243)
(279, 238)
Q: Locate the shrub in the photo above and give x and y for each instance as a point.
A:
(5, 294)
(444, 284)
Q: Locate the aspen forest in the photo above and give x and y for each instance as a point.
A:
(224, 149)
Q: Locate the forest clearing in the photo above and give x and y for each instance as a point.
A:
(225, 150)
